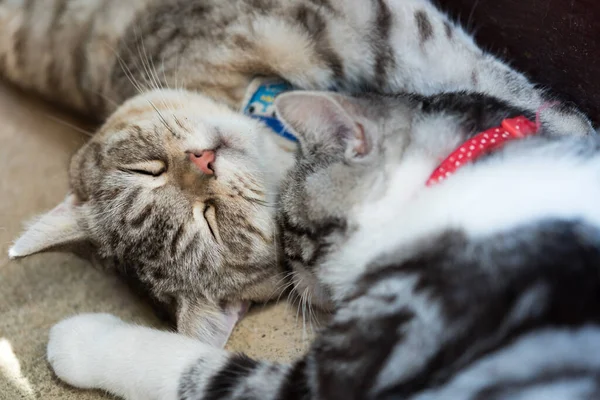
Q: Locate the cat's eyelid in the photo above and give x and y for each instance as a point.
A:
(153, 167)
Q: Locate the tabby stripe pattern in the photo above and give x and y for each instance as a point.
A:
(103, 52)
(491, 322)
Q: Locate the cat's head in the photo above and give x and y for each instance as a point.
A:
(175, 193)
(350, 148)
(339, 166)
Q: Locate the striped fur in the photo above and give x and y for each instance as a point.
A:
(163, 76)
(93, 49)
(434, 298)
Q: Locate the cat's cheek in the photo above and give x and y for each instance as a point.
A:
(75, 348)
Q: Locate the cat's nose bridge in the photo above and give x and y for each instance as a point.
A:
(204, 161)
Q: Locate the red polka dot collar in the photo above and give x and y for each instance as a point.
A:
(483, 143)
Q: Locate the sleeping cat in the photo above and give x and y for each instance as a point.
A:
(175, 191)
(484, 285)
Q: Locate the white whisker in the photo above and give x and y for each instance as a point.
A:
(147, 73)
(162, 118)
(281, 286)
(304, 297)
(137, 86)
(72, 126)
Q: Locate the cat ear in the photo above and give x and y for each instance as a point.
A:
(324, 121)
(53, 230)
(210, 323)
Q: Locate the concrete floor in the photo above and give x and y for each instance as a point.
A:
(37, 292)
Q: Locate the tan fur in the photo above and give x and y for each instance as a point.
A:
(65, 49)
(83, 45)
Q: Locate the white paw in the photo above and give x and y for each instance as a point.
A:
(77, 346)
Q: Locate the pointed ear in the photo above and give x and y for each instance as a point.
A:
(324, 121)
(53, 230)
(210, 323)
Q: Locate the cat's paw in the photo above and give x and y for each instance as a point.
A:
(75, 348)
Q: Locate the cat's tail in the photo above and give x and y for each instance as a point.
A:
(65, 49)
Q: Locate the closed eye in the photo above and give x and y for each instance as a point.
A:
(153, 168)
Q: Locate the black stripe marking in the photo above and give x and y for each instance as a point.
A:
(326, 4)
(176, 239)
(142, 216)
(560, 255)
(130, 199)
(384, 55)
(322, 232)
(474, 79)
(80, 63)
(262, 6)
(478, 112)
(289, 226)
(367, 344)
(237, 368)
(192, 249)
(508, 389)
(53, 70)
(448, 30)
(424, 26)
(295, 386)
(316, 27)
(82, 182)
(20, 42)
(96, 150)
(292, 235)
(309, 20)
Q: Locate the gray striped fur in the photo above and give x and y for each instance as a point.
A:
(443, 314)
(217, 47)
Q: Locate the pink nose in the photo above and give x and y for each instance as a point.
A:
(204, 161)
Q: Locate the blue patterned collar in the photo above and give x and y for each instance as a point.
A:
(260, 104)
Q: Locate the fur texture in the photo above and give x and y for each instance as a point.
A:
(194, 243)
(482, 287)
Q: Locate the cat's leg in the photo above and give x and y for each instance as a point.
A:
(101, 351)
(355, 357)
(415, 47)
(65, 49)
(211, 324)
(429, 54)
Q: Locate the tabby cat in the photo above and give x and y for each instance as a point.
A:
(176, 190)
(485, 285)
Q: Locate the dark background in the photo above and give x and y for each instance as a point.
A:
(555, 42)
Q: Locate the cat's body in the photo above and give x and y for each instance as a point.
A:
(175, 192)
(484, 286)
(84, 53)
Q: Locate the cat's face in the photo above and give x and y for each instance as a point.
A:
(174, 193)
(340, 165)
